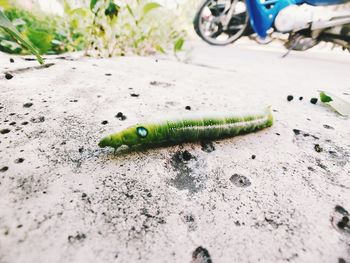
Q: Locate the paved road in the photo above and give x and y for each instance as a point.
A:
(278, 195)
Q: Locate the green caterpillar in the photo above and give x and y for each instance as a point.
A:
(194, 128)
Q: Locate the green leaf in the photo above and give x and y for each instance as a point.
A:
(149, 7)
(92, 4)
(179, 44)
(112, 10)
(159, 49)
(324, 98)
(40, 38)
(338, 104)
(6, 25)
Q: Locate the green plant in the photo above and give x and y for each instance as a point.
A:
(11, 30)
(133, 27)
(104, 28)
(49, 34)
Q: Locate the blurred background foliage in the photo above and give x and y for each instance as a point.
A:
(102, 28)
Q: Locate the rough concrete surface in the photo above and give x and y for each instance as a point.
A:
(278, 195)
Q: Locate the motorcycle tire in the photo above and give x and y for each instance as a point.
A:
(246, 30)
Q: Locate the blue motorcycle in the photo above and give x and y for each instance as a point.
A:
(307, 22)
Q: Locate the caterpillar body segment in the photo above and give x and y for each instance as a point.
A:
(190, 129)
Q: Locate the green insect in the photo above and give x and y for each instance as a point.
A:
(190, 129)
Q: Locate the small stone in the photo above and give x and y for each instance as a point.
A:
(188, 107)
(313, 100)
(12, 60)
(4, 131)
(134, 95)
(290, 97)
(38, 120)
(8, 76)
(104, 122)
(19, 160)
(24, 123)
(318, 148)
(186, 155)
(300, 98)
(3, 169)
(240, 180)
(201, 255)
(207, 147)
(108, 74)
(328, 127)
(27, 105)
(296, 131)
(253, 156)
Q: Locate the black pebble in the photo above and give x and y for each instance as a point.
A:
(120, 116)
(12, 123)
(4, 169)
(313, 100)
(8, 76)
(4, 131)
(343, 222)
(318, 148)
(341, 210)
(201, 255)
(186, 155)
(38, 120)
(296, 131)
(108, 74)
(24, 123)
(104, 122)
(207, 147)
(328, 127)
(12, 60)
(19, 160)
(27, 105)
(289, 97)
(300, 98)
(84, 195)
(81, 149)
(253, 156)
(134, 95)
(188, 107)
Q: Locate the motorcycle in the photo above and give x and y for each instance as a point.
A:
(306, 22)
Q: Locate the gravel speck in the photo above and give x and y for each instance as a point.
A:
(27, 105)
(313, 100)
(8, 76)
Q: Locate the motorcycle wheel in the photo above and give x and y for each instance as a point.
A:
(208, 21)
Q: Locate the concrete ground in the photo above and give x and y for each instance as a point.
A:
(278, 195)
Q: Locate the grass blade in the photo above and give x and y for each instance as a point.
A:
(7, 26)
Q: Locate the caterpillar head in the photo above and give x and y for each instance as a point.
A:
(132, 136)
